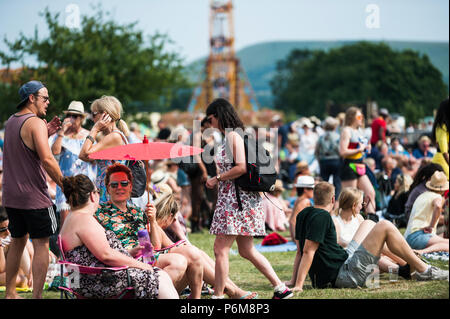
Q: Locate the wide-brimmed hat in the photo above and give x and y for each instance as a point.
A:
(159, 176)
(438, 182)
(28, 88)
(304, 181)
(75, 107)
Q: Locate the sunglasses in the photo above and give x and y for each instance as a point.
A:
(94, 114)
(3, 229)
(45, 98)
(122, 183)
(73, 115)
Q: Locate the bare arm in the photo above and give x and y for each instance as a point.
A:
(240, 168)
(437, 209)
(108, 141)
(39, 137)
(93, 236)
(309, 250)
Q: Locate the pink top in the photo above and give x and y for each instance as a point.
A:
(275, 218)
(24, 180)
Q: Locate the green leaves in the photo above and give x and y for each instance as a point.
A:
(353, 74)
(101, 57)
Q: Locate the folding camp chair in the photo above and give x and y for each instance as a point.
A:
(69, 293)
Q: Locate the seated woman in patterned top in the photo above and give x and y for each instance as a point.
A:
(126, 221)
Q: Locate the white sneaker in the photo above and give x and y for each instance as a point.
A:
(432, 273)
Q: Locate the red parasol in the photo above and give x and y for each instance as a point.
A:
(146, 151)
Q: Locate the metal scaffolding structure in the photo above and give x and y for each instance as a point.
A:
(223, 75)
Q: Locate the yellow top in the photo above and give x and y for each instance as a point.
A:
(442, 138)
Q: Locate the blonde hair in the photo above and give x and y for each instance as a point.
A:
(112, 106)
(405, 182)
(348, 197)
(166, 206)
(350, 115)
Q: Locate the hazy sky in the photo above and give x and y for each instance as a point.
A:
(186, 21)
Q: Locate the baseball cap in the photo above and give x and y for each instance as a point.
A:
(28, 88)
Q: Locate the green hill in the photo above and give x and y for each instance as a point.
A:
(259, 60)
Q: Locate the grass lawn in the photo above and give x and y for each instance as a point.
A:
(245, 275)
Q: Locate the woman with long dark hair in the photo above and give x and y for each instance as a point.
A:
(229, 222)
(440, 136)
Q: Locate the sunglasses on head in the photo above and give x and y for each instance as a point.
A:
(122, 183)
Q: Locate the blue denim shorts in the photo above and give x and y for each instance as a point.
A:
(418, 239)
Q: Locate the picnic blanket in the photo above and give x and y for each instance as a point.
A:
(437, 255)
(289, 246)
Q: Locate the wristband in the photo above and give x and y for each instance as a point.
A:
(90, 138)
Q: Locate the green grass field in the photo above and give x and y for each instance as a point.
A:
(244, 274)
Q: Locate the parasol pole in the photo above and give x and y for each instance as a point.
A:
(145, 141)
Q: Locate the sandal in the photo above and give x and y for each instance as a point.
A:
(250, 295)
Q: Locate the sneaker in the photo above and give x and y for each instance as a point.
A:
(432, 273)
(282, 294)
(206, 290)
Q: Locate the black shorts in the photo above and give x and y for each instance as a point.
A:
(347, 173)
(39, 223)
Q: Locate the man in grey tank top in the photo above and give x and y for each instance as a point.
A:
(26, 158)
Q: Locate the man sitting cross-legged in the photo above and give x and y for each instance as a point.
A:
(328, 264)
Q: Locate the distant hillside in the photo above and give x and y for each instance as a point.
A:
(259, 60)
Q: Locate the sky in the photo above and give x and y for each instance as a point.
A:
(255, 21)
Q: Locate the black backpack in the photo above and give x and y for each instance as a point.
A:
(139, 177)
(261, 174)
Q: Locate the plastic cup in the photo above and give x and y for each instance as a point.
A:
(393, 274)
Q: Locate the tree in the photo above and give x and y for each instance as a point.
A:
(354, 74)
(100, 58)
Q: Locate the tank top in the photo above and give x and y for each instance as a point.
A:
(348, 230)
(356, 138)
(24, 179)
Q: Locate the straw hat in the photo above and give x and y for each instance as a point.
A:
(438, 182)
(301, 167)
(159, 176)
(75, 107)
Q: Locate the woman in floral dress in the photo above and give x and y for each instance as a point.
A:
(229, 223)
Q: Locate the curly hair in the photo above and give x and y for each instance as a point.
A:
(115, 168)
(225, 113)
(77, 189)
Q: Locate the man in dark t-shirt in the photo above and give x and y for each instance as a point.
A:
(316, 224)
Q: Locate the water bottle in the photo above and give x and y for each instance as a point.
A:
(364, 141)
(147, 251)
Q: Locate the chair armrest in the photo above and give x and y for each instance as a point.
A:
(91, 270)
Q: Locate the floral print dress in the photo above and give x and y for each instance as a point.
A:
(228, 219)
(110, 284)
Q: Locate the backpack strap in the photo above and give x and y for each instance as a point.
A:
(238, 197)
